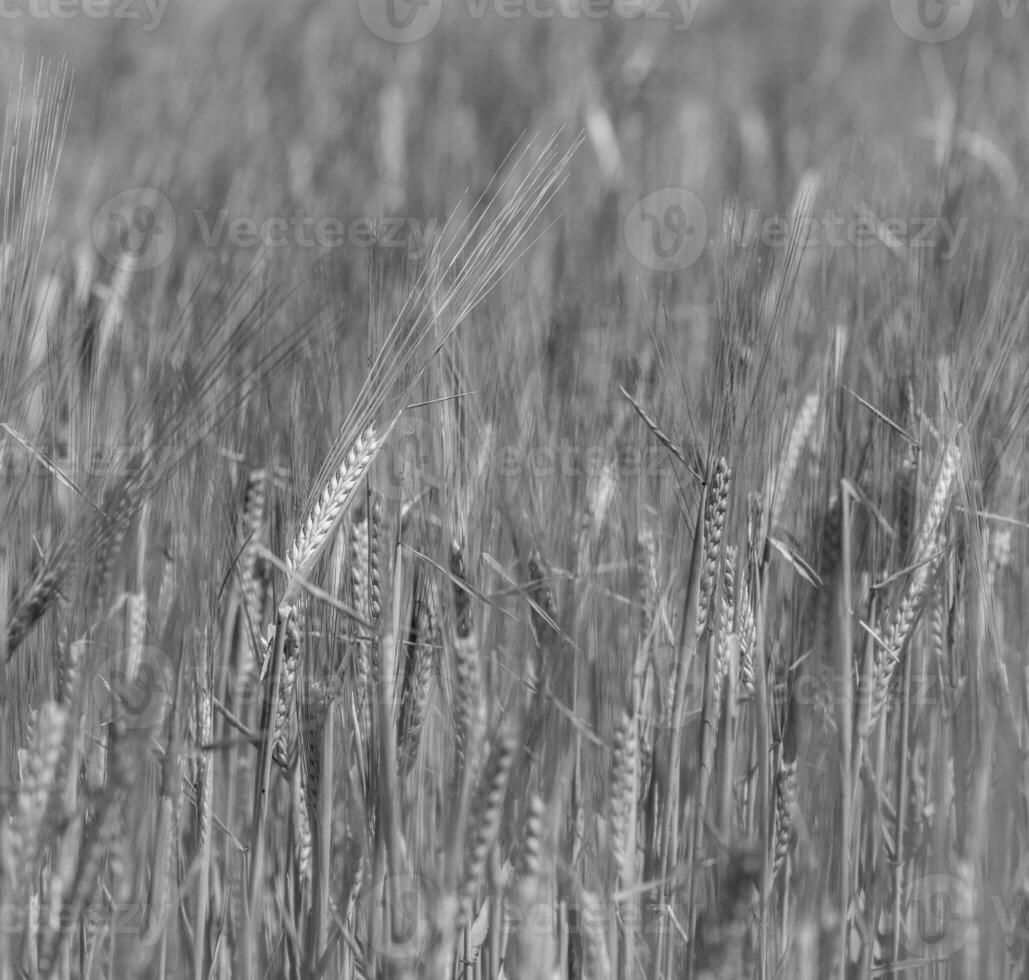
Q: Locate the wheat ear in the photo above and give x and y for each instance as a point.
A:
(484, 817)
(926, 559)
(714, 525)
(469, 709)
(317, 528)
(530, 946)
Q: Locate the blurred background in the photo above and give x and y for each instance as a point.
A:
(264, 109)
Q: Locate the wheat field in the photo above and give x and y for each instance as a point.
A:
(514, 489)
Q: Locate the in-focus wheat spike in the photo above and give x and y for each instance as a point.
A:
(102, 832)
(543, 595)
(165, 593)
(785, 802)
(948, 471)
(361, 596)
(251, 564)
(593, 922)
(284, 738)
(799, 434)
(29, 610)
(906, 478)
(532, 842)
(135, 629)
(530, 944)
(106, 533)
(423, 646)
(316, 529)
(300, 796)
(726, 621)
(623, 791)
(469, 704)
(646, 575)
(36, 786)
(358, 565)
(888, 656)
(831, 550)
(486, 811)
(926, 555)
(708, 539)
(316, 706)
(714, 523)
(462, 598)
(644, 682)
(92, 542)
(374, 559)
(204, 767)
(69, 667)
(745, 631)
